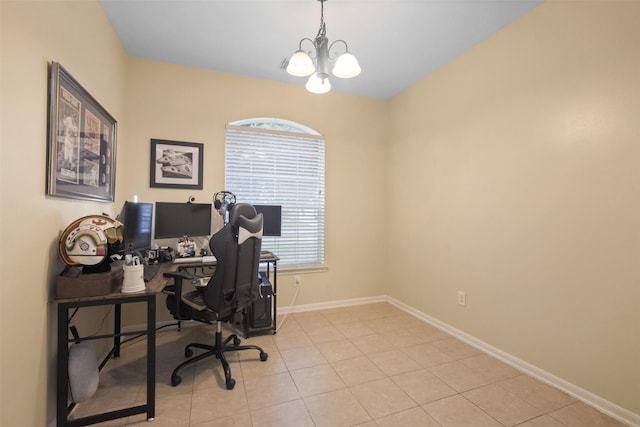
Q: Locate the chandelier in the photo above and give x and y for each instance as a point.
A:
(301, 63)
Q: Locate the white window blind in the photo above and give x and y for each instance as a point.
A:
(279, 167)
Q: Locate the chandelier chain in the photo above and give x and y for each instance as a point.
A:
(322, 31)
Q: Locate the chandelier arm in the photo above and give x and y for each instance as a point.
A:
(311, 53)
(335, 55)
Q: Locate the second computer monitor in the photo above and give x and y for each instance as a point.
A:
(271, 219)
(136, 221)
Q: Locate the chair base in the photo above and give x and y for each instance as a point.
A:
(218, 350)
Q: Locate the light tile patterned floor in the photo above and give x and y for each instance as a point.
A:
(368, 365)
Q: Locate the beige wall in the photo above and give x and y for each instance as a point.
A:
(514, 167)
(518, 164)
(33, 33)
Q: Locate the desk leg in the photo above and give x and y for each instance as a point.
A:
(151, 357)
(63, 367)
(117, 322)
(275, 296)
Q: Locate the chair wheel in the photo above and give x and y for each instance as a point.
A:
(236, 341)
(188, 352)
(175, 380)
(263, 356)
(231, 383)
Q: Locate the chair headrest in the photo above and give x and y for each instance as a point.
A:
(241, 209)
(243, 216)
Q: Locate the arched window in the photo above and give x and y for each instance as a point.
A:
(278, 162)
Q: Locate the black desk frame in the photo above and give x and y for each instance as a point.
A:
(268, 258)
(154, 287)
(63, 356)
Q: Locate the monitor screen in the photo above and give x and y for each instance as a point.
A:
(271, 219)
(136, 219)
(182, 219)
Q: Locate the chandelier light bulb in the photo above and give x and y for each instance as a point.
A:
(346, 66)
(317, 85)
(300, 64)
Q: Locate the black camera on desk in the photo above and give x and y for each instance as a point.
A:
(162, 254)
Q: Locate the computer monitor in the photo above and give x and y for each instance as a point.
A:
(174, 220)
(136, 219)
(271, 219)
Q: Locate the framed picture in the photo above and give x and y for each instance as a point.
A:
(81, 144)
(176, 164)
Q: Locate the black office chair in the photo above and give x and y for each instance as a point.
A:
(233, 287)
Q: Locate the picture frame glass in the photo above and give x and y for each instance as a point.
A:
(81, 142)
(176, 164)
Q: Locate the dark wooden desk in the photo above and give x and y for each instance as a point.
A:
(153, 288)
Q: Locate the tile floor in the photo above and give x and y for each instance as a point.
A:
(368, 365)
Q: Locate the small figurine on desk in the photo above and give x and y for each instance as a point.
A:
(186, 247)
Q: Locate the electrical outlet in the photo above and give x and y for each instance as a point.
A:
(297, 281)
(462, 298)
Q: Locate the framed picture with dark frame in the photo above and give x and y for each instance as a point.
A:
(81, 142)
(176, 164)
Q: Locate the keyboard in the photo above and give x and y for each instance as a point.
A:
(150, 271)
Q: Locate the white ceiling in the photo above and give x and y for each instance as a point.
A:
(397, 42)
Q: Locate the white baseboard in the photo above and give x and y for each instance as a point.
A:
(331, 304)
(603, 405)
